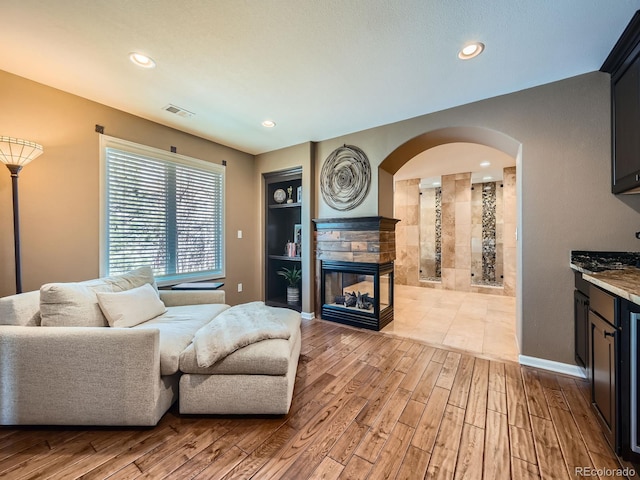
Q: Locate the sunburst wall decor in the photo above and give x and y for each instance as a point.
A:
(345, 178)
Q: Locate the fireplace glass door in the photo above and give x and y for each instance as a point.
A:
(357, 294)
(355, 291)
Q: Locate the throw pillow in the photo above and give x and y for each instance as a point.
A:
(131, 307)
(71, 305)
(75, 304)
(131, 279)
(20, 309)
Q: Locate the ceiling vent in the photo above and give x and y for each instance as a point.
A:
(181, 112)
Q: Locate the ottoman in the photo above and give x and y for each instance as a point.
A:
(256, 379)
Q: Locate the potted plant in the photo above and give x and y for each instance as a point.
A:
(293, 277)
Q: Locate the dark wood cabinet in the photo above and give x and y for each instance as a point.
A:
(626, 120)
(612, 362)
(581, 322)
(282, 222)
(603, 373)
(581, 314)
(623, 63)
(604, 364)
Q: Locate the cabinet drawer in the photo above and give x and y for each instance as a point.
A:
(603, 304)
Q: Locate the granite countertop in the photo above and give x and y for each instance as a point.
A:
(615, 272)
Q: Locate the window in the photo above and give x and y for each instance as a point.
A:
(163, 210)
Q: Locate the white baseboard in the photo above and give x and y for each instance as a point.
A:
(308, 315)
(557, 367)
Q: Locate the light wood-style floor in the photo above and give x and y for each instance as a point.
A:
(366, 405)
(473, 322)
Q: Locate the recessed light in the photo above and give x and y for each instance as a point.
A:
(142, 60)
(471, 50)
(269, 124)
(485, 164)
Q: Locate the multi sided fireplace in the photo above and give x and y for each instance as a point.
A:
(357, 294)
(355, 282)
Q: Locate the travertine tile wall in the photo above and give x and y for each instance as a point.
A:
(509, 236)
(456, 234)
(406, 209)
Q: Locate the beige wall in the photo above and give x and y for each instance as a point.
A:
(559, 132)
(296, 156)
(565, 203)
(59, 191)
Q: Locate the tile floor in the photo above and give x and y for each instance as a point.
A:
(474, 322)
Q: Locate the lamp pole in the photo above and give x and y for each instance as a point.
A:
(15, 154)
(15, 169)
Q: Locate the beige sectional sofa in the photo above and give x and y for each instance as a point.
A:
(62, 364)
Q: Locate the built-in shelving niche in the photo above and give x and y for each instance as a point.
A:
(281, 223)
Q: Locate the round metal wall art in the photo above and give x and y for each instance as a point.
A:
(345, 178)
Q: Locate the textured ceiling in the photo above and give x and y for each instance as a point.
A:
(318, 68)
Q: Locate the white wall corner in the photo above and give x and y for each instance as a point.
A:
(564, 368)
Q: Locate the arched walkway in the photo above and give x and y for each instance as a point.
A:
(391, 164)
(482, 136)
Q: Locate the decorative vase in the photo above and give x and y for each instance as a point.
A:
(293, 295)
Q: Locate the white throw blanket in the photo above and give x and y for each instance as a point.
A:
(235, 328)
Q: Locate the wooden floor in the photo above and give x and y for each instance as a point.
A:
(366, 405)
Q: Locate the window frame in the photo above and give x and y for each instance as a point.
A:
(161, 155)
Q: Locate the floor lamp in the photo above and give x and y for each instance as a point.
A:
(15, 154)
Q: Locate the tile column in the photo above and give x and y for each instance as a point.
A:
(456, 232)
(509, 232)
(407, 209)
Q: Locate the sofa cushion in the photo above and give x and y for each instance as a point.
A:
(267, 357)
(75, 304)
(22, 309)
(131, 307)
(177, 327)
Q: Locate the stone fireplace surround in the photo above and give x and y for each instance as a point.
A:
(348, 248)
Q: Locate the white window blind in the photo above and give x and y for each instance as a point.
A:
(163, 210)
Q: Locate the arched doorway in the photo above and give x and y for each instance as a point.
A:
(457, 258)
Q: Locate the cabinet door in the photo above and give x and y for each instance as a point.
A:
(603, 373)
(626, 118)
(581, 314)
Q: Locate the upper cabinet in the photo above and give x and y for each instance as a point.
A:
(623, 63)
